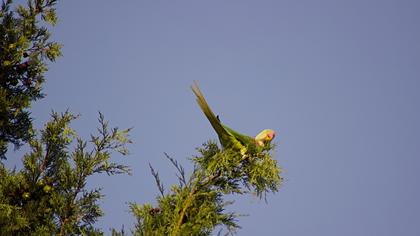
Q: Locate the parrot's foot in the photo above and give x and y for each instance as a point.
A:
(244, 153)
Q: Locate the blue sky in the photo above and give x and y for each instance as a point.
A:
(338, 81)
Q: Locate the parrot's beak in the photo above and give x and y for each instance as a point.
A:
(270, 136)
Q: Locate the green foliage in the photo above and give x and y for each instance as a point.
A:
(257, 171)
(49, 195)
(196, 206)
(25, 49)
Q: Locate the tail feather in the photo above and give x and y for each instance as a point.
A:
(214, 121)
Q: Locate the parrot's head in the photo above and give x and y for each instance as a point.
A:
(264, 137)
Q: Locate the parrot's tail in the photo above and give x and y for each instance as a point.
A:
(214, 121)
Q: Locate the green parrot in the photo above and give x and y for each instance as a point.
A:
(228, 137)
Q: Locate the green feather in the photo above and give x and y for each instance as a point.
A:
(244, 139)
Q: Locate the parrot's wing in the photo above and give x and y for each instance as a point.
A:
(226, 139)
(244, 139)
